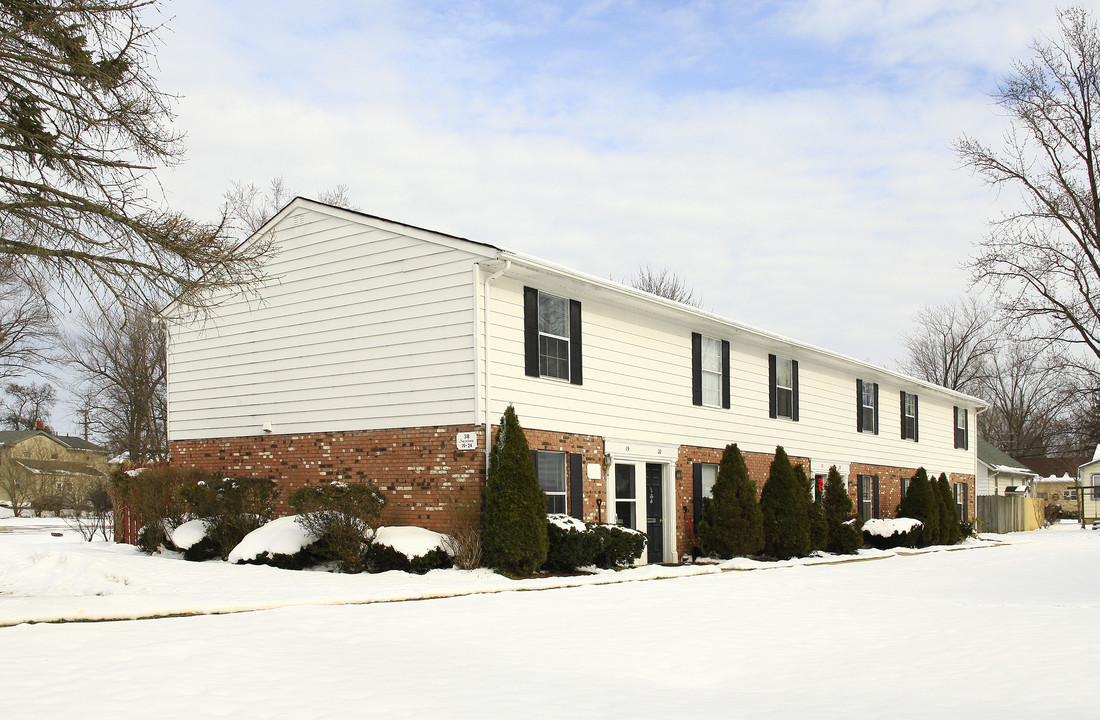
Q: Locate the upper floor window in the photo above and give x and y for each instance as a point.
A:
(710, 371)
(783, 387)
(909, 417)
(867, 406)
(552, 336)
(962, 430)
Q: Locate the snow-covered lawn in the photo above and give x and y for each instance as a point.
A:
(968, 633)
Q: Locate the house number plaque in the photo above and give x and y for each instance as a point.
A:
(466, 441)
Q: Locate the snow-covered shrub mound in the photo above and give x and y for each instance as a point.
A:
(566, 522)
(407, 548)
(283, 542)
(887, 533)
(571, 544)
(189, 533)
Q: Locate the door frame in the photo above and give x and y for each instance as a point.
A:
(638, 454)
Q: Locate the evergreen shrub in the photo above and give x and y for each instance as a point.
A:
(341, 516)
(572, 544)
(152, 497)
(515, 538)
(908, 538)
(233, 507)
(618, 546)
(922, 502)
(844, 535)
(815, 514)
(949, 516)
(380, 558)
(731, 524)
(784, 507)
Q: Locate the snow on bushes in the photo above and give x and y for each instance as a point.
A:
(888, 533)
(190, 533)
(282, 536)
(575, 544)
(407, 548)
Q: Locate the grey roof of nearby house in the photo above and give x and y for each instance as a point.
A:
(10, 437)
(60, 468)
(1000, 461)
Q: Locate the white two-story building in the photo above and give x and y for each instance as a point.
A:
(384, 353)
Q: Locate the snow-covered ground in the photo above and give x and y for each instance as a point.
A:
(976, 632)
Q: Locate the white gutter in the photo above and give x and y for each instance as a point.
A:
(485, 331)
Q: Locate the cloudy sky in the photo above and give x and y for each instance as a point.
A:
(792, 160)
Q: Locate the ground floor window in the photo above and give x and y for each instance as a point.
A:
(626, 496)
(962, 507)
(550, 469)
(867, 492)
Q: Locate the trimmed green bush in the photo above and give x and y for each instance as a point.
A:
(380, 558)
(732, 524)
(909, 538)
(786, 524)
(921, 502)
(618, 546)
(340, 515)
(515, 506)
(233, 507)
(843, 530)
(572, 544)
(949, 516)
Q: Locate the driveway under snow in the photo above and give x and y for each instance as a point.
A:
(940, 634)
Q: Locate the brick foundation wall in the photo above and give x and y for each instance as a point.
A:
(889, 486)
(416, 469)
(971, 492)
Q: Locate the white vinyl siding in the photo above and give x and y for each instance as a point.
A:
(360, 327)
(638, 386)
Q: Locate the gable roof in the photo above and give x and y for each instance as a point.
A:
(11, 437)
(995, 459)
(60, 468)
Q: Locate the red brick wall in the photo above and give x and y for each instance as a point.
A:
(417, 469)
(591, 449)
(971, 493)
(889, 486)
(759, 465)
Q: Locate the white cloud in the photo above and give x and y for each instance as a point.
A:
(826, 213)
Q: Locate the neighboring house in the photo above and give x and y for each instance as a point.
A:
(382, 352)
(998, 472)
(1088, 478)
(36, 464)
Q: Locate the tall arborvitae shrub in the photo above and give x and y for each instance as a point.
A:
(949, 516)
(515, 507)
(844, 529)
(731, 524)
(786, 524)
(815, 516)
(921, 502)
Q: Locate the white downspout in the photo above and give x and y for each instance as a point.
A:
(488, 365)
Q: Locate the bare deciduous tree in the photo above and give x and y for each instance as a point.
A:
(83, 126)
(119, 357)
(26, 329)
(1027, 400)
(1044, 258)
(952, 345)
(27, 405)
(247, 207)
(664, 283)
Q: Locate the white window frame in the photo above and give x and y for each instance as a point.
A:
(909, 417)
(780, 389)
(544, 357)
(556, 462)
(711, 349)
(867, 392)
(709, 474)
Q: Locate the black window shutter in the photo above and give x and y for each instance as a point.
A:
(576, 485)
(955, 427)
(966, 501)
(874, 495)
(902, 414)
(531, 331)
(794, 390)
(696, 369)
(859, 496)
(576, 374)
(876, 409)
(697, 490)
(859, 406)
(771, 386)
(916, 421)
(966, 431)
(535, 462)
(726, 374)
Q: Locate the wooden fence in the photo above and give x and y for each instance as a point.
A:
(1001, 514)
